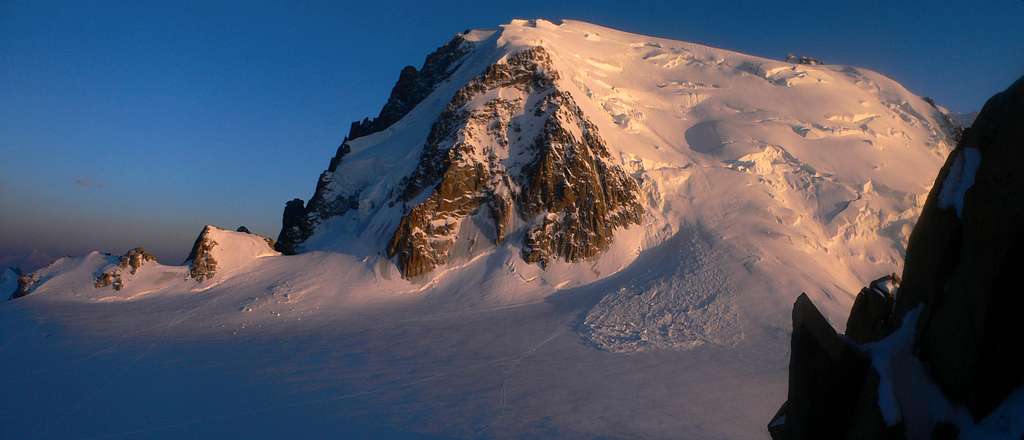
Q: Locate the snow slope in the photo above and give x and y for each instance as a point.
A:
(8, 282)
(759, 179)
(820, 168)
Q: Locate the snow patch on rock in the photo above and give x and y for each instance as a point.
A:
(959, 180)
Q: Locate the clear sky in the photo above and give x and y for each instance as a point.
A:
(135, 123)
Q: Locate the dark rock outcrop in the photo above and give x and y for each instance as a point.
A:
(200, 261)
(26, 283)
(295, 227)
(135, 258)
(791, 58)
(413, 86)
(130, 261)
(962, 265)
(959, 284)
(871, 317)
(826, 372)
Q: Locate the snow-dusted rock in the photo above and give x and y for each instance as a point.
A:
(413, 86)
(114, 276)
(220, 252)
(803, 59)
(529, 143)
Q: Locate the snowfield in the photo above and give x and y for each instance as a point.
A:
(760, 180)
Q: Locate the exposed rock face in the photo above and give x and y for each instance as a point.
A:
(956, 310)
(871, 317)
(295, 227)
(130, 261)
(412, 87)
(135, 258)
(561, 182)
(826, 372)
(201, 264)
(581, 195)
(791, 58)
(26, 283)
(963, 257)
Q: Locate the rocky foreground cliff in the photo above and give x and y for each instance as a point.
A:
(936, 357)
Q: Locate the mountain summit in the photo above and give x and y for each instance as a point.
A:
(544, 145)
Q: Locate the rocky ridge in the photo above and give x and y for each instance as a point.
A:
(300, 219)
(131, 261)
(26, 283)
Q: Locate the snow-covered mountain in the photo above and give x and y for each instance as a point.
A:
(544, 149)
(591, 192)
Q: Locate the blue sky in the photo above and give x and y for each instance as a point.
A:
(135, 123)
